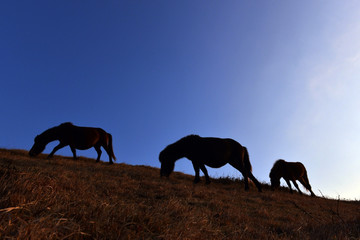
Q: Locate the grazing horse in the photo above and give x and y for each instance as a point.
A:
(76, 137)
(213, 152)
(290, 171)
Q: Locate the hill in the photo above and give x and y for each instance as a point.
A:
(62, 198)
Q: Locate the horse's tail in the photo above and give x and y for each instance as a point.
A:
(248, 168)
(247, 163)
(110, 146)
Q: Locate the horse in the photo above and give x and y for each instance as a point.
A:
(210, 151)
(290, 171)
(76, 137)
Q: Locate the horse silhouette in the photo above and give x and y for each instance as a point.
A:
(213, 152)
(290, 171)
(76, 137)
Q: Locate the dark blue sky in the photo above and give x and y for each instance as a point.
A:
(279, 77)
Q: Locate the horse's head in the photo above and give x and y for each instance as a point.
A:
(167, 163)
(275, 181)
(276, 173)
(173, 152)
(38, 146)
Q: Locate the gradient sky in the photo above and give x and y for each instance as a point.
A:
(280, 77)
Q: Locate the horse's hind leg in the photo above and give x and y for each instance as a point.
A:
(73, 150)
(237, 166)
(258, 185)
(197, 172)
(109, 153)
(98, 150)
(305, 182)
(246, 181)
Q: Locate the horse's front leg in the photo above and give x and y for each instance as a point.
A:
(296, 185)
(289, 184)
(197, 172)
(60, 145)
(73, 150)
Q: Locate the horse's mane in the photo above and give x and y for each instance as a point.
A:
(49, 132)
(277, 166)
(66, 124)
(185, 140)
(179, 146)
(280, 161)
(190, 137)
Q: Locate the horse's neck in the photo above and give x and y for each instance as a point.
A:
(50, 135)
(176, 151)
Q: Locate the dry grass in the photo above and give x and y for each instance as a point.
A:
(63, 198)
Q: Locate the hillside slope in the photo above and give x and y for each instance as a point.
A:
(63, 198)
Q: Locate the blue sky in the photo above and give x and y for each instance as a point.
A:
(281, 78)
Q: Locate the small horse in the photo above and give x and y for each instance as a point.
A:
(289, 171)
(213, 152)
(76, 137)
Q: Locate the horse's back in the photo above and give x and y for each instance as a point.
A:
(85, 137)
(297, 169)
(219, 141)
(214, 152)
(219, 144)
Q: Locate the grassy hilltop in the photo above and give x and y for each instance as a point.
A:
(63, 198)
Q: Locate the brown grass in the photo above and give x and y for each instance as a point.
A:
(63, 198)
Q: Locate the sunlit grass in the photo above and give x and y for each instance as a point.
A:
(63, 198)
